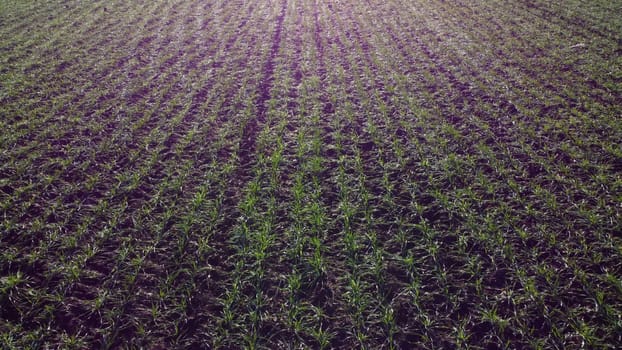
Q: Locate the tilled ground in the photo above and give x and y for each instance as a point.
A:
(310, 174)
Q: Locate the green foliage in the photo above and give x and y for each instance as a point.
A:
(310, 174)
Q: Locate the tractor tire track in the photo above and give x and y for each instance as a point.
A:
(246, 151)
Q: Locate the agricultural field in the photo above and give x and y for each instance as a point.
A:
(323, 174)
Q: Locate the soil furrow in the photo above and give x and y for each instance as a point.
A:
(253, 125)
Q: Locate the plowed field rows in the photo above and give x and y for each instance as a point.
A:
(310, 174)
